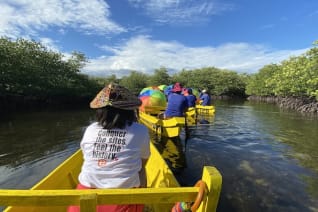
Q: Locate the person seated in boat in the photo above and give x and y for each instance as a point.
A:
(168, 91)
(115, 147)
(177, 103)
(191, 99)
(205, 98)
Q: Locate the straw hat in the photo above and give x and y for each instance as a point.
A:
(116, 96)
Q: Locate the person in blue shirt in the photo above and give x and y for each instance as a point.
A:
(190, 97)
(205, 97)
(167, 91)
(177, 103)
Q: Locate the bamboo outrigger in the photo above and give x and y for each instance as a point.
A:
(56, 191)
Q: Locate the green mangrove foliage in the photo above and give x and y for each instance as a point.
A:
(160, 77)
(217, 81)
(296, 76)
(135, 81)
(29, 69)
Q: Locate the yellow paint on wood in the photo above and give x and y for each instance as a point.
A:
(167, 127)
(205, 110)
(88, 203)
(56, 191)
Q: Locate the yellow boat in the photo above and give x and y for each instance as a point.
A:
(199, 112)
(166, 127)
(172, 127)
(56, 191)
(205, 110)
(191, 116)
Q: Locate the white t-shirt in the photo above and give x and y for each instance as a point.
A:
(112, 158)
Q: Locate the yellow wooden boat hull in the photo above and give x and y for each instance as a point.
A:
(56, 191)
(173, 127)
(199, 112)
(205, 110)
(191, 116)
(166, 127)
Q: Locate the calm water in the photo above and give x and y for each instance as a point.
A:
(268, 158)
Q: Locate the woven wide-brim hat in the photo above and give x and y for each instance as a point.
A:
(116, 96)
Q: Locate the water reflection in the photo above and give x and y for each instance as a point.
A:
(32, 144)
(300, 135)
(204, 119)
(173, 151)
(267, 157)
(262, 171)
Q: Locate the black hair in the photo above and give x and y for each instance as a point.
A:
(110, 117)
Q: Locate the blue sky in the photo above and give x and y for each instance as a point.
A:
(118, 36)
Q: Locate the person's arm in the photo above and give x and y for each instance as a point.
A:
(142, 174)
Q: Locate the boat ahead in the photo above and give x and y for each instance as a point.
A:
(166, 127)
(205, 110)
(56, 191)
(172, 127)
(199, 112)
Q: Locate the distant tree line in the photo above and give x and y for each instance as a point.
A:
(30, 69)
(294, 77)
(217, 81)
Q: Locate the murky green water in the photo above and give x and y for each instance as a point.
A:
(268, 158)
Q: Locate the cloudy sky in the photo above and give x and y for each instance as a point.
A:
(122, 35)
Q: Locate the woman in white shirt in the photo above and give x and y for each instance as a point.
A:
(115, 147)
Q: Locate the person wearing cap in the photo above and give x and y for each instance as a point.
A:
(177, 103)
(205, 97)
(115, 147)
(191, 99)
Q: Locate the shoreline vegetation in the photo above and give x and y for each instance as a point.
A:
(300, 104)
(33, 76)
(28, 103)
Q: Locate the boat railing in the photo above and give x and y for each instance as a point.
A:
(89, 199)
(205, 110)
(154, 110)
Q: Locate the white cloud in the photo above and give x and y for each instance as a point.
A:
(181, 11)
(49, 44)
(144, 55)
(28, 17)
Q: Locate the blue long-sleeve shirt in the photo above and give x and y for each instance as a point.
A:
(177, 104)
(191, 100)
(206, 99)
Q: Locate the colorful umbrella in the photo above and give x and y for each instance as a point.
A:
(152, 98)
(162, 87)
(148, 88)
